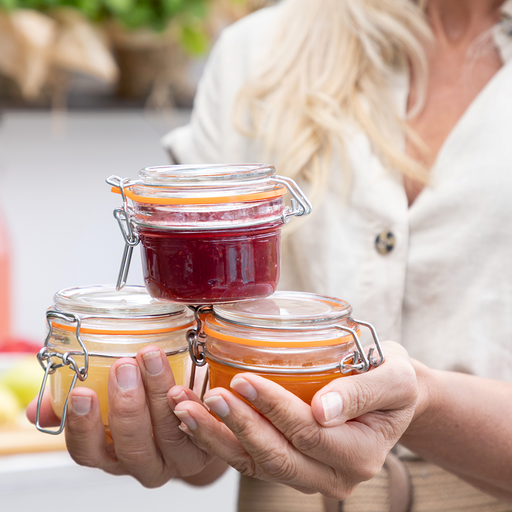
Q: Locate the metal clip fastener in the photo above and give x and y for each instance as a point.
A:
(131, 239)
(373, 362)
(196, 341)
(299, 205)
(360, 362)
(49, 362)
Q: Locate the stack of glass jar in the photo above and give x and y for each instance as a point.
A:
(210, 240)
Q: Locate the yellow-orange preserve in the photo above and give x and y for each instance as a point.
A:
(302, 341)
(113, 324)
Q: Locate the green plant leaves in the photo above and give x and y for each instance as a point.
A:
(187, 15)
(194, 39)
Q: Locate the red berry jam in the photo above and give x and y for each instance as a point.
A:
(208, 267)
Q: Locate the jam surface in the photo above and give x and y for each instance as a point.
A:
(213, 266)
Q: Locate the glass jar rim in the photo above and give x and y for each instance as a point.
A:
(284, 310)
(203, 184)
(287, 319)
(104, 301)
(102, 310)
(199, 173)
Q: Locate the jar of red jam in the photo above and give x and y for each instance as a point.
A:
(90, 327)
(302, 341)
(209, 234)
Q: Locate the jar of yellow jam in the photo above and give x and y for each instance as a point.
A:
(302, 341)
(90, 327)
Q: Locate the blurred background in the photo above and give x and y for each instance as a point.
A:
(87, 89)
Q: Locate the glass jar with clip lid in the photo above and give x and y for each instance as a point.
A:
(302, 341)
(90, 327)
(210, 233)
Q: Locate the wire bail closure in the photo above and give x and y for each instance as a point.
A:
(131, 238)
(49, 362)
(361, 362)
(299, 204)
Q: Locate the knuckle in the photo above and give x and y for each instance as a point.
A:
(245, 466)
(153, 482)
(360, 397)
(306, 438)
(244, 428)
(336, 485)
(272, 409)
(367, 471)
(278, 466)
(340, 493)
(135, 460)
(83, 459)
(158, 404)
(127, 410)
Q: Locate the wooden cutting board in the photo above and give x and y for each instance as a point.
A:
(27, 440)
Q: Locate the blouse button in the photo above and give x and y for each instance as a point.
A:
(385, 242)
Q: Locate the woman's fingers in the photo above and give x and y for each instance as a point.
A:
(288, 413)
(158, 378)
(294, 419)
(259, 450)
(389, 387)
(47, 418)
(130, 424)
(210, 434)
(85, 433)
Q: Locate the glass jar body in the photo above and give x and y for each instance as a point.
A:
(301, 370)
(103, 351)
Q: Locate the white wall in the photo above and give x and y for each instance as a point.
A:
(58, 210)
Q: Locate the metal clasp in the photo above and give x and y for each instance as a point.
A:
(131, 239)
(51, 361)
(300, 204)
(360, 362)
(196, 341)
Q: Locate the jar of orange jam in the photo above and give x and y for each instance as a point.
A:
(209, 233)
(90, 327)
(302, 341)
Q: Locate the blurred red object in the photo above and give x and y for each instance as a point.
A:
(19, 345)
(5, 295)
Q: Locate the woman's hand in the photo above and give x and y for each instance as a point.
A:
(147, 442)
(330, 447)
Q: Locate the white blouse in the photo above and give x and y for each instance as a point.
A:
(444, 290)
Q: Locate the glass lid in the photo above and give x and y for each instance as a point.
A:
(205, 184)
(288, 309)
(188, 174)
(104, 300)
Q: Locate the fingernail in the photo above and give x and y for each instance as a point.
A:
(185, 417)
(218, 405)
(180, 398)
(153, 363)
(244, 388)
(186, 430)
(127, 376)
(81, 405)
(332, 405)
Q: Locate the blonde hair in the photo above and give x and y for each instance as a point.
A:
(329, 70)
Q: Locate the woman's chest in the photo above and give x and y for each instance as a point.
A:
(455, 82)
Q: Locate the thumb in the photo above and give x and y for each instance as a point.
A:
(390, 386)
